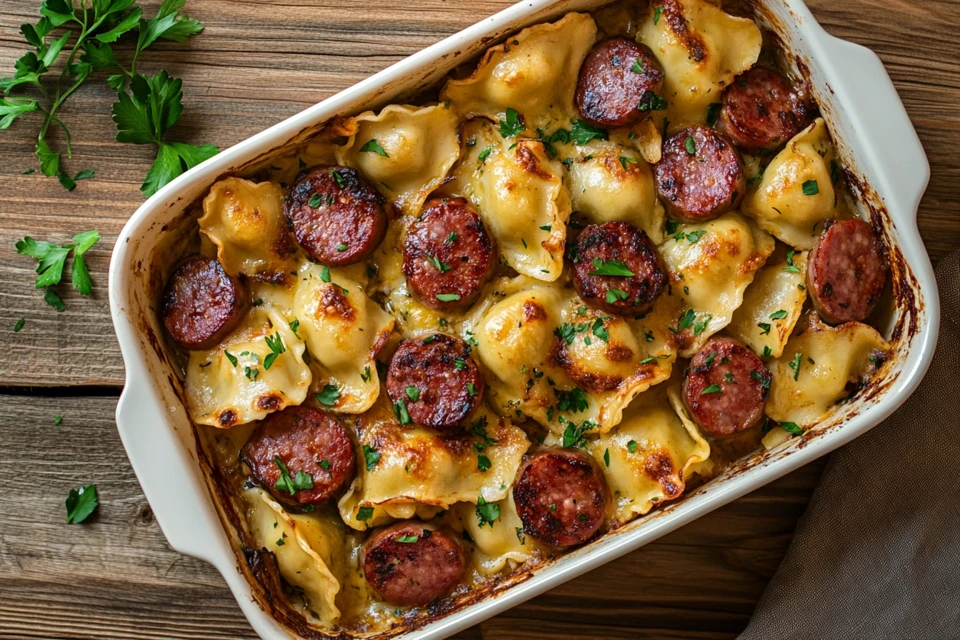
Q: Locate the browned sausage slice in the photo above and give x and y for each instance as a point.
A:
(203, 304)
(619, 83)
(306, 442)
(448, 255)
(561, 497)
(616, 268)
(725, 387)
(700, 175)
(336, 216)
(762, 110)
(434, 382)
(410, 565)
(846, 272)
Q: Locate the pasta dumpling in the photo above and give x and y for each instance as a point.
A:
(772, 305)
(710, 265)
(495, 544)
(257, 369)
(702, 49)
(245, 221)
(797, 191)
(343, 330)
(411, 466)
(820, 366)
(534, 73)
(304, 548)
(520, 196)
(556, 361)
(649, 456)
(405, 151)
(609, 182)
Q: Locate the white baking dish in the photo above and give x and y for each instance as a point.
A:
(876, 140)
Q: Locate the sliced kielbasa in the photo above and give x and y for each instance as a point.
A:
(762, 110)
(410, 565)
(616, 268)
(725, 387)
(561, 497)
(433, 382)
(448, 255)
(314, 449)
(203, 303)
(336, 216)
(619, 83)
(846, 271)
(700, 175)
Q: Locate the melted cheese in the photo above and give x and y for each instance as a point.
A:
(819, 367)
(417, 467)
(771, 306)
(534, 73)
(796, 193)
(701, 49)
(710, 266)
(648, 458)
(520, 196)
(223, 394)
(420, 144)
(245, 221)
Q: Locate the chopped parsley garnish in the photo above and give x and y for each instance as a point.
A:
(400, 410)
(765, 326)
(452, 237)
(275, 342)
(763, 378)
(413, 393)
(364, 513)
(57, 419)
(232, 358)
(484, 154)
(714, 388)
(672, 226)
(459, 364)
(649, 360)
(325, 274)
(701, 326)
(625, 160)
(600, 331)
(371, 456)
(795, 365)
(487, 512)
(512, 125)
(685, 321)
(657, 12)
(654, 102)
(338, 178)
(632, 446)
(778, 315)
(583, 132)
(691, 145)
(373, 146)
(792, 268)
(648, 336)
(767, 351)
(442, 267)
(811, 188)
(792, 428)
(638, 66)
(606, 457)
(546, 228)
(471, 389)
(81, 503)
(324, 464)
(315, 200)
(302, 481)
(615, 295)
(574, 400)
(342, 246)
(573, 434)
(615, 268)
(483, 462)
(713, 113)
(448, 297)
(329, 395)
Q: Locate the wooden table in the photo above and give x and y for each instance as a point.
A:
(258, 62)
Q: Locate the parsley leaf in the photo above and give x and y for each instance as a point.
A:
(373, 146)
(795, 365)
(51, 260)
(329, 395)
(610, 268)
(487, 512)
(583, 132)
(512, 124)
(714, 388)
(811, 188)
(370, 456)
(81, 503)
(792, 428)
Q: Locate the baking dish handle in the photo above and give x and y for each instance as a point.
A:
(883, 126)
(166, 471)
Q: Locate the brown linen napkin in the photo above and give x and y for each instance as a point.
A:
(877, 554)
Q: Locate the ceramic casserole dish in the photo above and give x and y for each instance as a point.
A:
(886, 170)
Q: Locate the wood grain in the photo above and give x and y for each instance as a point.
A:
(114, 576)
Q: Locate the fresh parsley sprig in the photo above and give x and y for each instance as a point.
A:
(143, 116)
(52, 259)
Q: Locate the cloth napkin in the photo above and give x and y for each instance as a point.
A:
(877, 554)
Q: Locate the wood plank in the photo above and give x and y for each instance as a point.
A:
(244, 74)
(116, 577)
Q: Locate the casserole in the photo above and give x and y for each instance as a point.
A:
(174, 473)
